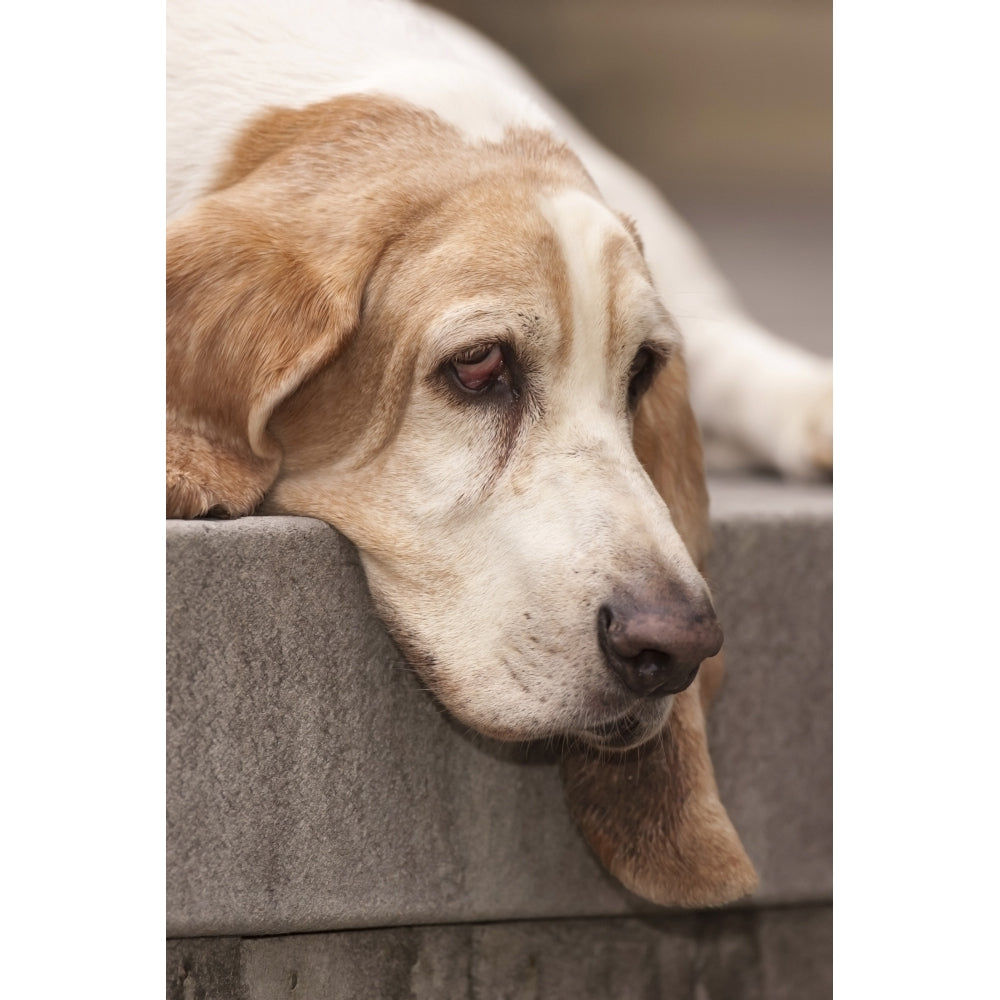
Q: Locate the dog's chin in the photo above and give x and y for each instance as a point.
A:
(625, 732)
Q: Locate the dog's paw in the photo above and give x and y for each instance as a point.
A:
(779, 420)
(803, 425)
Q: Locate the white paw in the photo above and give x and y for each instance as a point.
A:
(802, 423)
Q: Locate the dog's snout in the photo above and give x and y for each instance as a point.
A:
(656, 647)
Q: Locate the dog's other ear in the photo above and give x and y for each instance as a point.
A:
(668, 445)
(251, 314)
(653, 815)
(654, 818)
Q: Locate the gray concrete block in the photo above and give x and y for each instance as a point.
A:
(736, 955)
(205, 969)
(771, 727)
(312, 785)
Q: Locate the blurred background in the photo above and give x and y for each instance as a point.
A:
(725, 104)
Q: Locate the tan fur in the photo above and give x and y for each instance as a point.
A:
(299, 296)
(675, 465)
(668, 445)
(619, 261)
(265, 276)
(654, 818)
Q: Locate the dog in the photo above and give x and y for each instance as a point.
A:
(408, 295)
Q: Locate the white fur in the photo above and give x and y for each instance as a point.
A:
(300, 53)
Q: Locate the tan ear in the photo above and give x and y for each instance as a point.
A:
(668, 444)
(654, 818)
(251, 314)
(653, 815)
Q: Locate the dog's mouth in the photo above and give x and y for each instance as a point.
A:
(624, 733)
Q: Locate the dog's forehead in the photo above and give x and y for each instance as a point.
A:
(560, 260)
(612, 305)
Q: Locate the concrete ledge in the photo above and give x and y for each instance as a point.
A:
(739, 955)
(313, 786)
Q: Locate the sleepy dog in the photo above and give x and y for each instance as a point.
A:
(408, 295)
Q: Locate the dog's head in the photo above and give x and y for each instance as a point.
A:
(452, 353)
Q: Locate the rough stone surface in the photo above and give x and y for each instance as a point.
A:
(205, 969)
(312, 785)
(736, 955)
(771, 728)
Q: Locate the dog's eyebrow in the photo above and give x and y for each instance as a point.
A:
(662, 325)
(646, 320)
(635, 310)
(665, 320)
(473, 320)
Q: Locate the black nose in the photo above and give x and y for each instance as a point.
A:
(655, 647)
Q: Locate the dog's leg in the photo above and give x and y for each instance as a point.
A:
(765, 400)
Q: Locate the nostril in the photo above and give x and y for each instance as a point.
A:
(653, 669)
(655, 673)
(604, 619)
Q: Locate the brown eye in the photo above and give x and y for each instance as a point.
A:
(644, 367)
(478, 367)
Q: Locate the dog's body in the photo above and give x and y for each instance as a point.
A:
(400, 302)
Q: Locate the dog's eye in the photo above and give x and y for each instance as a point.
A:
(644, 366)
(478, 367)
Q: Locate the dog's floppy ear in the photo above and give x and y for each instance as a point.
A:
(653, 815)
(251, 313)
(654, 818)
